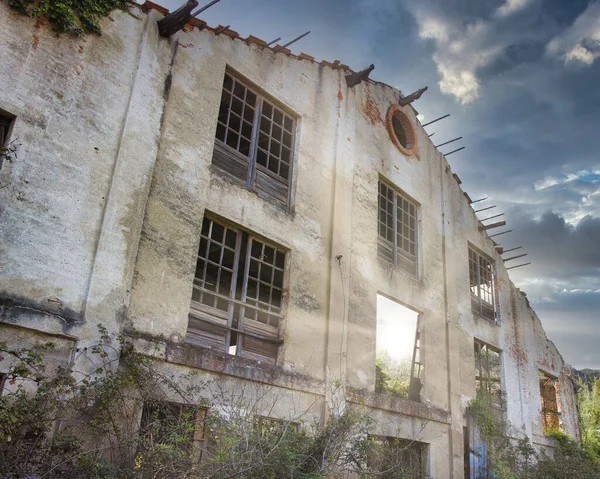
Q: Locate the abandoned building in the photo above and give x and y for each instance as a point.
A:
(253, 215)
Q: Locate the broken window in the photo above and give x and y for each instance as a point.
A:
(481, 277)
(237, 294)
(397, 228)
(5, 124)
(548, 386)
(167, 423)
(487, 373)
(392, 457)
(397, 368)
(254, 140)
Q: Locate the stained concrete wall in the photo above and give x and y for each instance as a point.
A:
(102, 211)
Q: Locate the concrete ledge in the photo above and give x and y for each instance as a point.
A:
(397, 405)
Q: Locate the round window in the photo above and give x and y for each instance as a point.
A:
(401, 130)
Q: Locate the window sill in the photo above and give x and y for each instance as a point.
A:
(388, 265)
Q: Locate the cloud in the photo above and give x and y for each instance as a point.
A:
(580, 43)
(511, 6)
(580, 175)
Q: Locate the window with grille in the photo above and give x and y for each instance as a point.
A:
(397, 228)
(550, 418)
(237, 296)
(254, 140)
(487, 373)
(481, 277)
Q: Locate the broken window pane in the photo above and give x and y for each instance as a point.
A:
(481, 279)
(397, 228)
(487, 373)
(398, 365)
(237, 293)
(267, 151)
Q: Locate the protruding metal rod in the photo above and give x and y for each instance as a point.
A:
(491, 217)
(205, 7)
(518, 266)
(480, 199)
(454, 151)
(437, 119)
(512, 249)
(293, 41)
(276, 40)
(221, 30)
(493, 225)
(514, 257)
(451, 141)
(483, 209)
(431, 134)
(498, 234)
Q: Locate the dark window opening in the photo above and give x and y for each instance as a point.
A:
(237, 297)
(254, 140)
(399, 132)
(173, 424)
(548, 394)
(6, 121)
(397, 228)
(2, 382)
(392, 457)
(481, 278)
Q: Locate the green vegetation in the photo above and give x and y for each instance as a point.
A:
(517, 459)
(589, 411)
(76, 17)
(393, 377)
(132, 421)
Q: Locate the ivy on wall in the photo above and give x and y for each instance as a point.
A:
(76, 17)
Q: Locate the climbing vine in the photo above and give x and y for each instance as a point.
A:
(76, 17)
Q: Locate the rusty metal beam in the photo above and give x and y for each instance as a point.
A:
(437, 119)
(491, 217)
(512, 249)
(454, 151)
(220, 30)
(491, 226)
(276, 40)
(293, 41)
(480, 199)
(514, 257)
(205, 7)
(483, 209)
(498, 234)
(447, 142)
(519, 265)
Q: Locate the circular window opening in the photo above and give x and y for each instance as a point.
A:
(401, 130)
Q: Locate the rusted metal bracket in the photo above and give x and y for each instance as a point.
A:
(493, 225)
(176, 20)
(357, 77)
(407, 100)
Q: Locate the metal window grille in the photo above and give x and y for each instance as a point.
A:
(481, 278)
(254, 140)
(487, 373)
(550, 418)
(237, 293)
(397, 228)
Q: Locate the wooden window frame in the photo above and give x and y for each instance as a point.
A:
(483, 297)
(483, 368)
(238, 319)
(244, 161)
(399, 255)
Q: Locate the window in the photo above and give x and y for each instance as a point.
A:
(167, 423)
(237, 294)
(401, 130)
(397, 228)
(398, 365)
(548, 385)
(392, 457)
(487, 373)
(5, 124)
(254, 140)
(481, 277)
(2, 381)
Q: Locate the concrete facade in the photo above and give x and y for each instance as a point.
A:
(102, 211)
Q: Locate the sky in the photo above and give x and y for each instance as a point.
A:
(521, 81)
